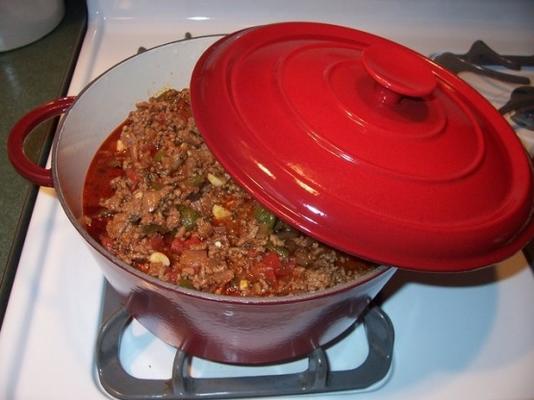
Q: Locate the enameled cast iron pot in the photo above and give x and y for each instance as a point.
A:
(221, 328)
(227, 329)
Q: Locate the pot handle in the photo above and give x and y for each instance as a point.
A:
(15, 142)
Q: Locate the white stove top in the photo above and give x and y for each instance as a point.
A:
(457, 336)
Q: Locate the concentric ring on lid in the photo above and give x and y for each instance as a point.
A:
(365, 145)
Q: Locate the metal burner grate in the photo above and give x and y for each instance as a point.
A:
(481, 55)
(520, 106)
(317, 378)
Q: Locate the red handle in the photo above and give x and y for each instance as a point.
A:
(398, 73)
(15, 142)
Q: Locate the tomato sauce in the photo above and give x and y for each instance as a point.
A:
(106, 166)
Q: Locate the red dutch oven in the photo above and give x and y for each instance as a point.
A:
(357, 141)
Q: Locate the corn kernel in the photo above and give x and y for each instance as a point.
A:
(220, 212)
(161, 258)
(215, 180)
(243, 284)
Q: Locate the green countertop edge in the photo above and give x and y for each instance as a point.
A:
(30, 76)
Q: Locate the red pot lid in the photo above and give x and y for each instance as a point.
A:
(365, 145)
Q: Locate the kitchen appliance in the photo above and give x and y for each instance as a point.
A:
(467, 342)
(22, 22)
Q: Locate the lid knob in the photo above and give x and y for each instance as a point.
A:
(398, 73)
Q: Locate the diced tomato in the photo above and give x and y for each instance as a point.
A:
(143, 267)
(286, 269)
(157, 242)
(271, 260)
(267, 267)
(192, 241)
(230, 204)
(270, 275)
(178, 245)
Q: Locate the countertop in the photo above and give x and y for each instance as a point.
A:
(29, 76)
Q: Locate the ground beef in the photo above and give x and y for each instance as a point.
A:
(157, 198)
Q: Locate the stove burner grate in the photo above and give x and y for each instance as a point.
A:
(317, 378)
(481, 55)
(520, 106)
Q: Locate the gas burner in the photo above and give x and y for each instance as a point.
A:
(525, 117)
(481, 55)
(520, 106)
(317, 378)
